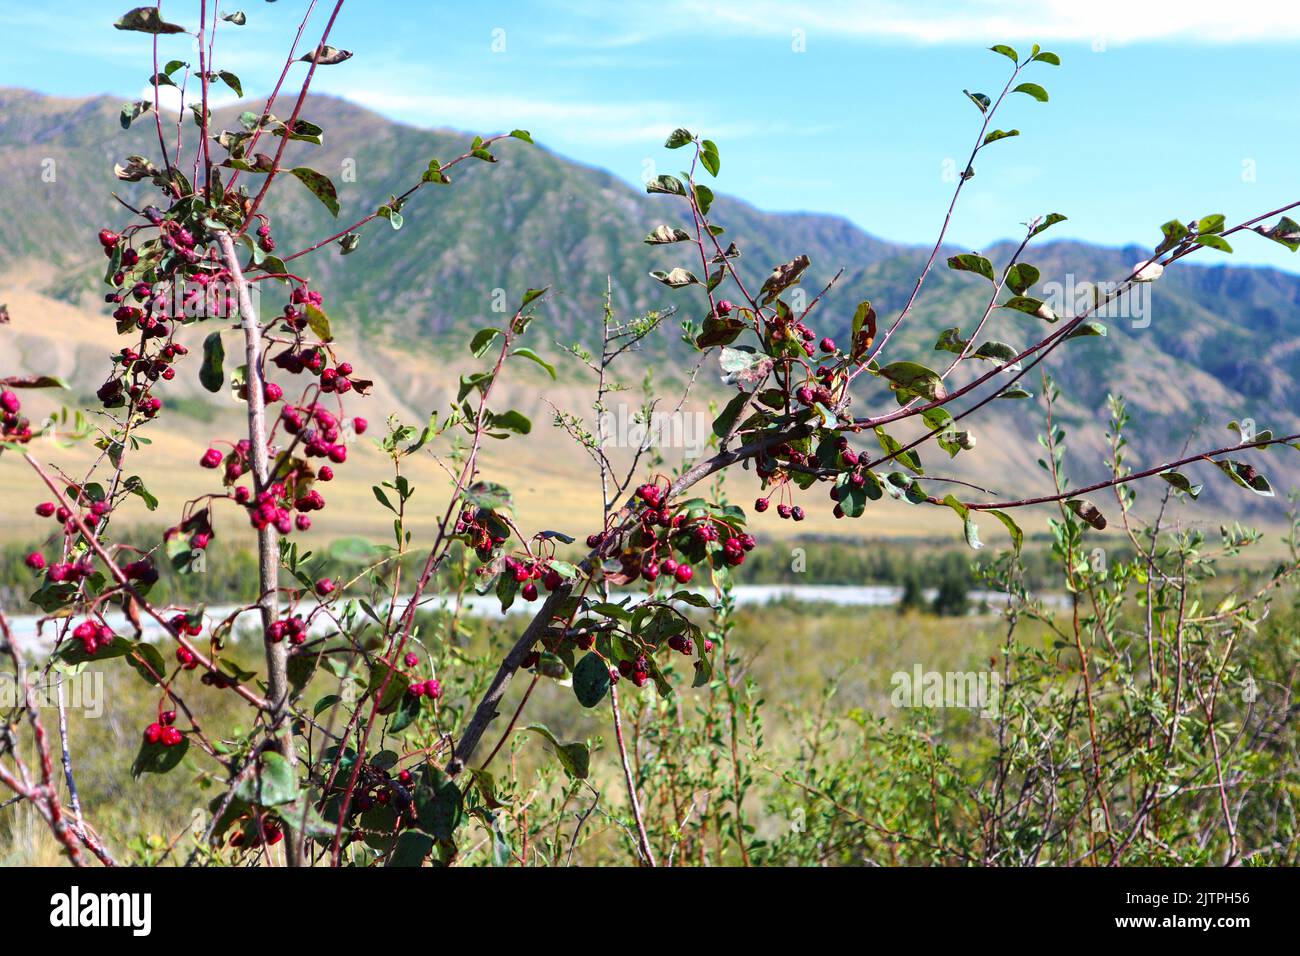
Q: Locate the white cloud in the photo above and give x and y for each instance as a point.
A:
(946, 21)
(553, 120)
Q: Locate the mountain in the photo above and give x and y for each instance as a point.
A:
(1214, 343)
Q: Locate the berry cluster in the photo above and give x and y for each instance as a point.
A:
(841, 465)
(430, 688)
(13, 427)
(294, 628)
(528, 571)
(93, 635)
(694, 534)
(268, 833)
(481, 530)
(163, 732)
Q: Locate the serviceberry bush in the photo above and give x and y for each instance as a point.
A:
(355, 751)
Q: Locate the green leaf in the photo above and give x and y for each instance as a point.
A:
(273, 785)
(784, 276)
(723, 424)
(522, 134)
(434, 174)
(666, 184)
(893, 447)
(916, 378)
(574, 757)
(132, 111)
(703, 198)
(238, 18)
(1032, 89)
(325, 55)
(392, 215)
(1087, 512)
(1247, 476)
(981, 101)
(1286, 232)
(950, 340)
(511, 421)
(232, 81)
(531, 296)
(1006, 51)
(998, 134)
(1015, 391)
(211, 373)
(320, 185)
(1020, 277)
(411, 849)
(591, 680)
(998, 352)
(1048, 57)
(1051, 219)
(147, 661)
(488, 495)
(146, 20)
(440, 809)
(969, 528)
(482, 340)
(971, 262)
(1182, 483)
(534, 357)
(1086, 329)
(709, 157)
(1030, 306)
(662, 235)
(675, 278)
(678, 138)
(1214, 242)
(156, 758)
(319, 323)
(1017, 536)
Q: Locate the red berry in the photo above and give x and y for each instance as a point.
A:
(170, 737)
(35, 561)
(167, 718)
(411, 659)
(359, 425)
(761, 504)
(324, 587)
(45, 509)
(828, 344)
(107, 238)
(211, 459)
(153, 733)
(683, 574)
(529, 591)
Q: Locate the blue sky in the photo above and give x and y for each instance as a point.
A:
(1160, 109)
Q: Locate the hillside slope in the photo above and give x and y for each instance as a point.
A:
(1220, 342)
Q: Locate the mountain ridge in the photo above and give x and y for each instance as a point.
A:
(1220, 343)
